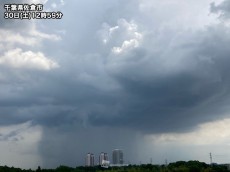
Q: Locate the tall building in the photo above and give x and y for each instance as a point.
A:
(89, 160)
(118, 156)
(103, 156)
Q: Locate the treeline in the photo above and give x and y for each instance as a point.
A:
(180, 166)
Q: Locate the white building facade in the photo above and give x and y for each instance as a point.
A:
(89, 160)
(103, 157)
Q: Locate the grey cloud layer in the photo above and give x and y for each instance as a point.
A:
(223, 8)
(183, 94)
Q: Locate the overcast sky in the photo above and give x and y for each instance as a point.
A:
(149, 77)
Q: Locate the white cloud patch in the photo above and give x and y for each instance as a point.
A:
(40, 35)
(122, 37)
(126, 45)
(7, 36)
(54, 5)
(31, 38)
(16, 58)
(62, 2)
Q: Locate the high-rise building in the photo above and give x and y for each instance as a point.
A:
(118, 156)
(89, 160)
(103, 156)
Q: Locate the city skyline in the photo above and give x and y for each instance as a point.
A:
(116, 158)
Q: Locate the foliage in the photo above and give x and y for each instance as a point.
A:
(180, 166)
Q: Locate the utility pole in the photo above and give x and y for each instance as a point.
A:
(210, 155)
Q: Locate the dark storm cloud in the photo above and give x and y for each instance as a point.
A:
(144, 101)
(223, 9)
(51, 99)
(97, 100)
(175, 101)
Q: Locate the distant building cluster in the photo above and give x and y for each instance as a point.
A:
(103, 160)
